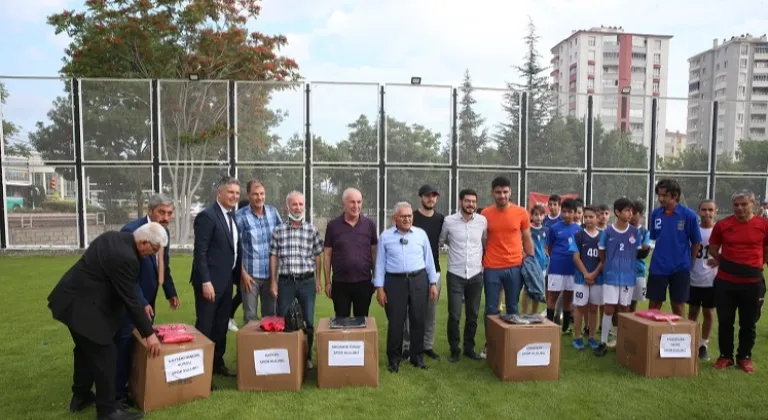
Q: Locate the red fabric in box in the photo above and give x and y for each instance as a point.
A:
(657, 315)
(273, 324)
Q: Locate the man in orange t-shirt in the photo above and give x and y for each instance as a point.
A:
(509, 240)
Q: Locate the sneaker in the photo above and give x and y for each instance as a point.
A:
(310, 365)
(567, 332)
(723, 362)
(703, 353)
(484, 353)
(601, 350)
(611, 339)
(232, 326)
(593, 343)
(746, 365)
(578, 343)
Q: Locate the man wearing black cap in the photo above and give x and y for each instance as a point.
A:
(431, 222)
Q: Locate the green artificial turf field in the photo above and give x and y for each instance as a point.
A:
(37, 370)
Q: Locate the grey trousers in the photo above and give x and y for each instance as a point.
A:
(259, 290)
(429, 322)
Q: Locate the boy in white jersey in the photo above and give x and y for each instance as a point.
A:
(703, 271)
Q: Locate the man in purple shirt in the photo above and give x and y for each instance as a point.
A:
(350, 252)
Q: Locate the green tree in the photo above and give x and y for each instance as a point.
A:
(10, 131)
(474, 142)
(168, 39)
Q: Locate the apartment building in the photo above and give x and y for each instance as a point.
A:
(609, 63)
(734, 73)
(674, 143)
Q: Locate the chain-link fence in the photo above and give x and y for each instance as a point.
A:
(82, 156)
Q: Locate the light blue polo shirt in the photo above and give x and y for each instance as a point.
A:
(674, 234)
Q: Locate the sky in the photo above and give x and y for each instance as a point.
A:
(389, 41)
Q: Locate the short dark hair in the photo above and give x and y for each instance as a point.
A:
(591, 208)
(670, 186)
(622, 204)
(500, 181)
(638, 206)
(603, 207)
(579, 202)
(538, 208)
(569, 204)
(554, 198)
(709, 200)
(252, 183)
(466, 192)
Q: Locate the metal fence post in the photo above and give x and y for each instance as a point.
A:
(232, 125)
(590, 148)
(713, 152)
(522, 194)
(652, 155)
(155, 97)
(3, 215)
(382, 213)
(77, 127)
(454, 152)
(307, 153)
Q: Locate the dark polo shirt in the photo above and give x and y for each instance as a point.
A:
(351, 260)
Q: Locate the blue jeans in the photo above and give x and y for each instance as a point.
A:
(289, 290)
(511, 279)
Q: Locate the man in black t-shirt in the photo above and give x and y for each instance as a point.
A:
(431, 222)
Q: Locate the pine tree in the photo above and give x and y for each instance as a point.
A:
(473, 137)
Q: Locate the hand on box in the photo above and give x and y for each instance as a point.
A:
(174, 301)
(149, 311)
(208, 293)
(153, 345)
(381, 296)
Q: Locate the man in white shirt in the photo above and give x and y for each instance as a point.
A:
(703, 271)
(465, 234)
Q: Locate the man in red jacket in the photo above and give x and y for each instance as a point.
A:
(738, 246)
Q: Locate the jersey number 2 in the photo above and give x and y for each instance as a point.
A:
(621, 246)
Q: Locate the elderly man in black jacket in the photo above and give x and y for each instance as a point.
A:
(91, 299)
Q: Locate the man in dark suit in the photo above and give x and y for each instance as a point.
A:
(215, 268)
(91, 298)
(153, 272)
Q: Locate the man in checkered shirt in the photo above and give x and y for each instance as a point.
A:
(295, 264)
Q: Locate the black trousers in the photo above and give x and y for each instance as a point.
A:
(463, 292)
(236, 301)
(95, 364)
(213, 319)
(351, 298)
(406, 295)
(730, 298)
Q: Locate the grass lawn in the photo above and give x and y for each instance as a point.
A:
(37, 371)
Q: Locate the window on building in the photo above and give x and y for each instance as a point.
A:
(740, 117)
(591, 69)
(742, 92)
(638, 84)
(656, 72)
(657, 58)
(591, 55)
(658, 44)
(591, 41)
(742, 78)
(590, 83)
(656, 87)
(743, 63)
(744, 49)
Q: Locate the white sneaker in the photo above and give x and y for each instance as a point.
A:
(310, 365)
(232, 326)
(484, 353)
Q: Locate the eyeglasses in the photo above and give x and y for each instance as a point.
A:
(406, 216)
(403, 241)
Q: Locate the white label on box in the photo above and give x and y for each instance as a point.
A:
(271, 362)
(346, 353)
(675, 346)
(184, 365)
(534, 354)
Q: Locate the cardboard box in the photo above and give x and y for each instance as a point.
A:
(181, 373)
(657, 349)
(347, 357)
(270, 361)
(520, 353)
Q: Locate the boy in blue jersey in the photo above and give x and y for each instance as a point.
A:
(539, 235)
(603, 216)
(638, 210)
(554, 216)
(588, 289)
(561, 265)
(579, 219)
(618, 252)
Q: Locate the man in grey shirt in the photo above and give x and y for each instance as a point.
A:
(465, 234)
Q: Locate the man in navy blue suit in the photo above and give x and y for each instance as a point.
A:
(160, 211)
(216, 267)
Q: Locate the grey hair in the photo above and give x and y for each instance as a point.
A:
(400, 205)
(227, 180)
(744, 193)
(159, 200)
(291, 194)
(348, 192)
(151, 232)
